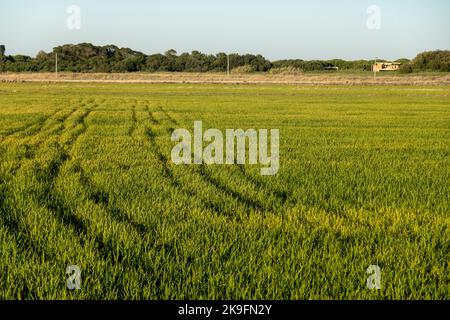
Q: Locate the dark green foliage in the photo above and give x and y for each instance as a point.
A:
(319, 65)
(2, 58)
(19, 63)
(86, 57)
(406, 68)
(438, 60)
(427, 61)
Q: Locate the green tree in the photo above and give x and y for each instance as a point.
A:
(406, 68)
(2, 58)
(438, 60)
(156, 62)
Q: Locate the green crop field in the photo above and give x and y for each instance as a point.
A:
(86, 179)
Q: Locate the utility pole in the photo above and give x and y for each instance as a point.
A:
(228, 64)
(374, 70)
(56, 64)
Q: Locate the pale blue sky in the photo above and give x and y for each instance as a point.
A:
(321, 29)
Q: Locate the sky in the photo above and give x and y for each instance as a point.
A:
(277, 29)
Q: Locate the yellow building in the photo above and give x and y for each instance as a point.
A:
(385, 66)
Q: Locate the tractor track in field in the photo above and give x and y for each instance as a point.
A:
(249, 203)
(173, 181)
(38, 124)
(168, 116)
(42, 124)
(101, 197)
(53, 202)
(152, 118)
(54, 129)
(12, 224)
(49, 175)
(133, 121)
(162, 159)
(108, 250)
(280, 194)
(63, 212)
(16, 229)
(111, 249)
(32, 148)
(219, 185)
(283, 196)
(63, 119)
(204, 174)
(167, 172)
(286, 197)
(216, 183)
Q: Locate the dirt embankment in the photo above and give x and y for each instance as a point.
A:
(313, 78)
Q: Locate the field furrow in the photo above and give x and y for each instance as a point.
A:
(87, 179)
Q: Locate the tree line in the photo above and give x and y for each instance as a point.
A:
(438, 60)
(86, 57)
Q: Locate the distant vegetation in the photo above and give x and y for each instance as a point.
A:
(428, 61)
(86, 57)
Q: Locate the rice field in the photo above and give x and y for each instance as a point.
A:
(86, 179)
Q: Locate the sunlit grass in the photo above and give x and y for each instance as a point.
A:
(86, 179)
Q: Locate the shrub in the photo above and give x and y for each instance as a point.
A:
(288, 70)
(406, 68)
(243, 69)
